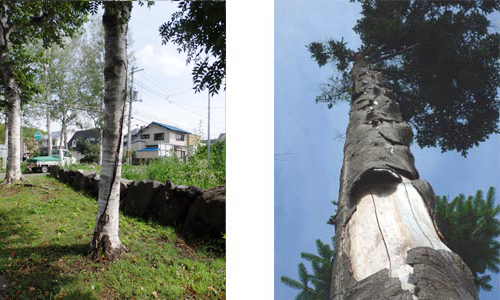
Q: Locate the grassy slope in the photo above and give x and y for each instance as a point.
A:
(44, 236)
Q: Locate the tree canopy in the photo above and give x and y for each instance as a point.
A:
(26, 22)
(440, 60)
(199, 29)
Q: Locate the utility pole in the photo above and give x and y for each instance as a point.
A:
(129, 138)
(208, 146)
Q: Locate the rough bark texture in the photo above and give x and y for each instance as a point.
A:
(105, 240)
(49, 121)
(377, 152)
(13, 107)
(6, 140)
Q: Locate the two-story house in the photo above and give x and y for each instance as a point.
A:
(90, 135)
(150, 140)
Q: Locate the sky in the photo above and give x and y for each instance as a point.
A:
(309, 144)
(165, 84)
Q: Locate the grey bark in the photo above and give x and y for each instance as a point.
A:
(377, 151)
(49, 121)
(105, 239)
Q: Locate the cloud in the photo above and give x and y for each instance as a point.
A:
(167, 61)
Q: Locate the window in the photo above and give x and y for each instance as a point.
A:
(67, 154)
(158, 136)
(73, 143)
(53, 142)
(145, 136)
(179, 137)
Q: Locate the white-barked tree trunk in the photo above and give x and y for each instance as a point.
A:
(105, 239)
(13, 107)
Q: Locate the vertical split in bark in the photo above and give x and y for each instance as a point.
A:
(105, 240)
(388, 246)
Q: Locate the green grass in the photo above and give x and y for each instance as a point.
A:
(45, 234)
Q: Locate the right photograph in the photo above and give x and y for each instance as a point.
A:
(386, 150)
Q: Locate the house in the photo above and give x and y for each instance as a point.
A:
(156, 139)
(90, 135)
(43, 143)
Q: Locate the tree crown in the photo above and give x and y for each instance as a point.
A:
(440, 61)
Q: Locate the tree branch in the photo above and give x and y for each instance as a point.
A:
(391, 55)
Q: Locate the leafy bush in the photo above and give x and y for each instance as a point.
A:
(89, 158)
(196, 170)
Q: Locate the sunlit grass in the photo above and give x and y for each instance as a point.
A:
(45, 231)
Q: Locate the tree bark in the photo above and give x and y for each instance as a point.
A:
(388, 244)
(105, 239)
(6, 140)
(13, 108)
(49, 121)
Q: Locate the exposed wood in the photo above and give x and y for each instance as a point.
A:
(388, 246)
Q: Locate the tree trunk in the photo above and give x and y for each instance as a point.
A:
(62, 142)
(13, 109)
(6, 140)
(105, 239)
(49, 138)
(100, 146)
(388, 244)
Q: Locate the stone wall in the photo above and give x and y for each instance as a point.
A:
(196, 211)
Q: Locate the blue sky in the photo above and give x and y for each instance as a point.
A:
(309, 151)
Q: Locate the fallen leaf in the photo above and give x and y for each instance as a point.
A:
(32, 289)
(142, 288)
(13, 253)
(155, 294)
(134, 260)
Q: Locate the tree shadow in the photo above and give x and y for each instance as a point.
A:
(39, 272)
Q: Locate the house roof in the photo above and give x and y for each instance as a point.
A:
(90, 133)
(133, 131)
(169, 127)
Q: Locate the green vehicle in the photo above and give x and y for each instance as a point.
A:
(59, 157)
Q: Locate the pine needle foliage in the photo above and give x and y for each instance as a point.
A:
(471, 228)
(313, 286)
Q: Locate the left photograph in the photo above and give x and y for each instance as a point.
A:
(113, 150)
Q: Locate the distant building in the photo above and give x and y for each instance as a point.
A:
(56, 140)
(157, 139)
(90, 135)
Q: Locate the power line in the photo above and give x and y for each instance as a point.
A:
(175, 95)
(166, 98)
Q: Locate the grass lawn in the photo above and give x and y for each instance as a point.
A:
(45, 231)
